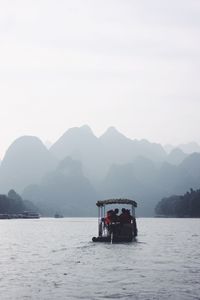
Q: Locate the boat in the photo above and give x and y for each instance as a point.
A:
(114, 228)
(23, 215)
(57, 215)
(30, 215)
(5, 216)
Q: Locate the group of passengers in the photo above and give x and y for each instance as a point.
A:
(113, 216)
(116, 223)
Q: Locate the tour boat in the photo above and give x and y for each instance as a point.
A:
(116, 228)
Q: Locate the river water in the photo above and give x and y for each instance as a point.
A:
(55, 259)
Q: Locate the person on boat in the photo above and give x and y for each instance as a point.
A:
(124, 217)
(115, 216)
(108, 218)
(129, 217)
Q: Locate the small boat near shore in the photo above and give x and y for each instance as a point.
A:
(23, 215)
(30, 215)
(57, 216)
(114, 228)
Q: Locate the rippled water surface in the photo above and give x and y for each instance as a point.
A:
(55, 259)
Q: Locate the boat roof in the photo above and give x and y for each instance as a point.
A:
(116, 201)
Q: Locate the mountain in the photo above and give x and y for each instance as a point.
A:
(25, 162)
(81, 168)
(77, 142)
(121, 149)
(177, 179)
(168, 148)
(136, 180)
(174, 180)
(189, 147)
(81, 144)
(48, 144)
(148, 182)
(65, 190)
(117, 147)
(98, 154)
(176, 156)
(191, 164)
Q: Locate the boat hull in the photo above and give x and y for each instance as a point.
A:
(115, 239)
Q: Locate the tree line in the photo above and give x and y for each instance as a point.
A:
(187, 205)
(14, 204)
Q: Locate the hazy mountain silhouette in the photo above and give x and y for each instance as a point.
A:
(176, 156)
(173, 180)
(177, 179)
(168, 148)
(48, 144)
(25, 162)
(75, 142)
(149, 182)
(192, 165)
(65, 190)
(81, 144)
(81, 168)
(189, 147)
(137, 180)
(121, 149)
(98, 154)
(116, 146)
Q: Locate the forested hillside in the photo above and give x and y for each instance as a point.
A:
(187, 205)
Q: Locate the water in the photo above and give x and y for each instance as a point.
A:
(55, 259)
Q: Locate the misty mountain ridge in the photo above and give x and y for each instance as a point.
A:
(65, 190)
(80, 168)
(187, 148)
(176, 156)
(149, 182)
(25, 162)
(98, 154)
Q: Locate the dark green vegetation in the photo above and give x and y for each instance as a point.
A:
(14, 204)
(80, 169)
(187, 205)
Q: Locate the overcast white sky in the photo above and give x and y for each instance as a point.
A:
(131, 64)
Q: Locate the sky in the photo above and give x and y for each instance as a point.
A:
(130, 64)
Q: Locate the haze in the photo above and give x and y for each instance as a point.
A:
(131, 64)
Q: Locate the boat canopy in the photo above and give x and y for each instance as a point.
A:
(116, 201)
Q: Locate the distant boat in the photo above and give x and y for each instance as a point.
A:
(30, 215)
(58, 216)
(5, 216)
(24, 215)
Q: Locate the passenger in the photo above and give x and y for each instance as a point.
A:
(115, 217)
(108, 218)
(129, 217)
(124, 218)
(116, 211)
